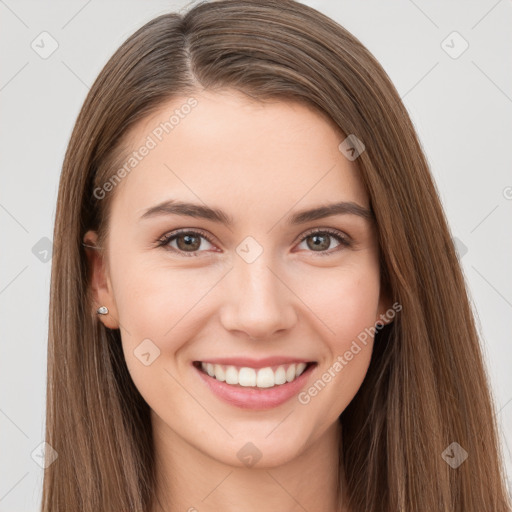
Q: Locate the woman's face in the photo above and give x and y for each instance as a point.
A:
(260, 291)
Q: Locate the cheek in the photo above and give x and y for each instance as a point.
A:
(346, 307)
(152, 302)
(339, 377)
(344, 300)
(155, 308)
(161, 304)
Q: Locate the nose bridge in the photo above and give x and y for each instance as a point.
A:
(259, 303)
(257, 281)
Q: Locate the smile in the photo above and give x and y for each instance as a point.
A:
(245, 376)
(256, 385)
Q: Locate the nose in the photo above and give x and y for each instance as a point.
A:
(258, 301)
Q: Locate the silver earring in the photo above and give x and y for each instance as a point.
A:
(103, 310)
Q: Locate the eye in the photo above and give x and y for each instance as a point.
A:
(188, 241)
(321, 241)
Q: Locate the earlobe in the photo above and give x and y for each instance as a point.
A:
(99, 282)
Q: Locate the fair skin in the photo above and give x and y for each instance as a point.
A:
(259, 163)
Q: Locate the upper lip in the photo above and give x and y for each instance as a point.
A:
(254, 363)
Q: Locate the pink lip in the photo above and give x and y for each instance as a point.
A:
(251, 397)
(254, 363)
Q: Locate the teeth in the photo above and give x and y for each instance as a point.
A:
(290, 373)
(300, 369)
(266, 378)
(250, 377)
(247, 377)
(280, 376)
(210, 370)
(231, 375)
(219, 373)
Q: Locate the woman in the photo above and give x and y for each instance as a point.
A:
(255, 301)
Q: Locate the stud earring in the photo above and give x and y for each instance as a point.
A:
(103, 310)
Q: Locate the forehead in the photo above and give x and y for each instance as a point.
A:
(233, 151)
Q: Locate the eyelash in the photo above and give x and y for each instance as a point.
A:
(163, 241)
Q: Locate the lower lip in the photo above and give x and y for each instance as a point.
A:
(256, 398)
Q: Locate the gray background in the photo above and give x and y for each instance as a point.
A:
(461, 108)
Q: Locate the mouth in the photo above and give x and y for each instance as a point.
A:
(256, 378)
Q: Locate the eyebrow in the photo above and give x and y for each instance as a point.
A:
(173, 207)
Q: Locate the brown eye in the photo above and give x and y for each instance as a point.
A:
(320, 241)
(187, 242)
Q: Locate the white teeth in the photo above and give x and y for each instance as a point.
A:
(231, 375)
(250, 377)
(300, 368)
(280, 376)
(210, 370)
(219, 373)
(265, 378)
(247, 377)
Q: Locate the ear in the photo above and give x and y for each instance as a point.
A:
(99, 281)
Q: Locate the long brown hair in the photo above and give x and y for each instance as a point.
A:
(426, 386)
